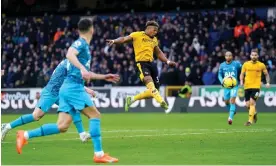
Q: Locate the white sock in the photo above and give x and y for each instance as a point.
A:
(8, 126)
(99, 154)
(26, 135)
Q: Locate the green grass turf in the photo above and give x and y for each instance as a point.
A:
(136, 138)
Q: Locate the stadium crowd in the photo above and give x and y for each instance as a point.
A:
(33, 46)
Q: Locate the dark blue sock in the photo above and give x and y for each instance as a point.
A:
(47, 129)
(95, 132)
(22, 120)
(228, 107)
(76, 116)
(232, 110)
(79, 126)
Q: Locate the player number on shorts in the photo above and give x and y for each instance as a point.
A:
(233, 91)
(157, 79)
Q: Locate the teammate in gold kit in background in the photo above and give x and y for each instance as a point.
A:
(145, 44)
(253, 70)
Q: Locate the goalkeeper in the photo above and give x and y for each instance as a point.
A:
(229, 68)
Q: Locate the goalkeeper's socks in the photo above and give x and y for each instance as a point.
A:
(232, 111)
(143, 95)
(154, 92)
(95, 132)
(25, 119)
(252, 111)
(47, 129)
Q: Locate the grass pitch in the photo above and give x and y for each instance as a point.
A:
(137, 138)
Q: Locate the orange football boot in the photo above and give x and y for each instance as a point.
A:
(20, 141)
(105, 159)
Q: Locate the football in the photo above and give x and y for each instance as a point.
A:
(229, 82)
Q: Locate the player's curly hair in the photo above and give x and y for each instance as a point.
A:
(152, 23)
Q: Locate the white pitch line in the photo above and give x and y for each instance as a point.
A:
(166, 130)
(157, 135)
(171, 130)
(142, 165)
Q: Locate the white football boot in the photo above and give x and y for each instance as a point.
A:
(5, 128)
(84, 136)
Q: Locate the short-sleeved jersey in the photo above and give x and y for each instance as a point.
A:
(143, 46)
(231, 69)
(57, 78)
(84, 56)
(253, 74)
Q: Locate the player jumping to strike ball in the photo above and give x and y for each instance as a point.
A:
(253, 70)
(145, 45)
(229, 68)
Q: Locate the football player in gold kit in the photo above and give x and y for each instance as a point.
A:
(253, 70)
(145, 44)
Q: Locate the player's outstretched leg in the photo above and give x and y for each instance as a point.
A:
(22, 120)
(143, 95)
(227, 103)
(95, 131)
(255, 118)
(156, 95)
(84, 136)
(226, 98)
(61, 126)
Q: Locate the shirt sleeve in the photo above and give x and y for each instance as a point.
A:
(134, 35)
(264, 69)
(239, 65)
(156, 42)
(220, 77)
(78, 45)
(243, 68)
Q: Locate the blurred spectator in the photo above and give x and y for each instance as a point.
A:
(33, 46)
(58, 34)
(209, 77)
(272, 74)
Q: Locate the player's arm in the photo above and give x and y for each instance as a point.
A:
(220, 75)
(162, 56)
(90, 91)
(239, 67)
(72, 57)
(120, 40)
(242, 74)
(267, 78)
(107, 77)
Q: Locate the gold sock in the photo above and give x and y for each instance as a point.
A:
(252, 111)
(154, 92)
(143, 95)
